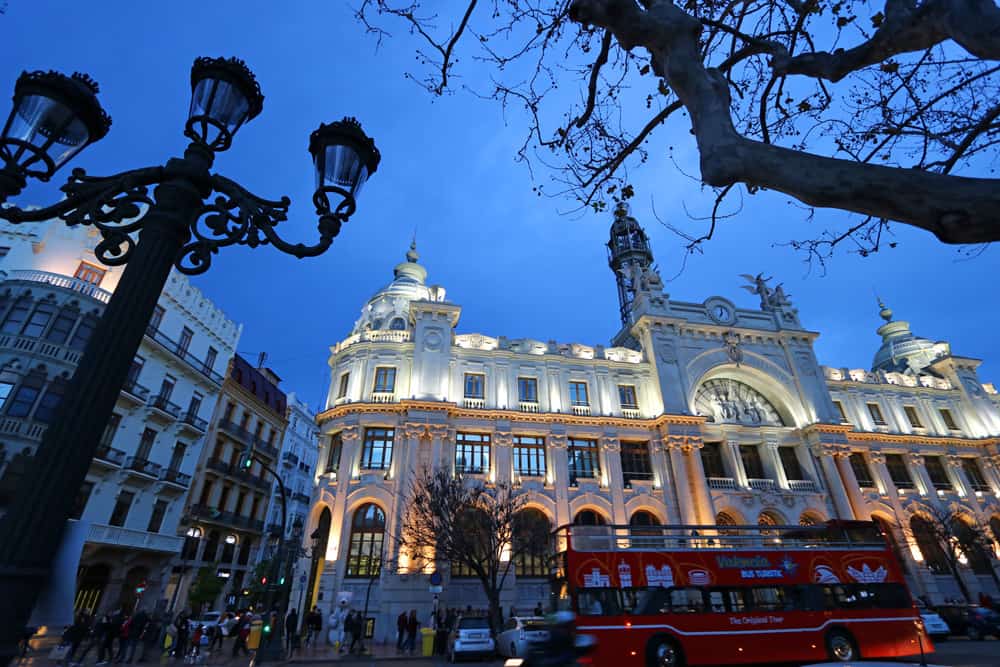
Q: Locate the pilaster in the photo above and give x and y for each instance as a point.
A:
(559, 469)
(611, 453)
(685, 501)
(501, 464)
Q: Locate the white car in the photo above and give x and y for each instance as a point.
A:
(471, 639)
(518, 632)
(208, 619)
(935, 625)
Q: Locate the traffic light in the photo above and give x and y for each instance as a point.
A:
(267, 628)
(281, 582)
(263, 581)
(245, 592)
(247, 462)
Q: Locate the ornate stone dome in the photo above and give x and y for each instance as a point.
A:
(389, 308)
(902, 351)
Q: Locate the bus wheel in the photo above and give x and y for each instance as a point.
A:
(840, 646)
(664, 652)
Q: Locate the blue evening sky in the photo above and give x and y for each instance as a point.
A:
(517, 263)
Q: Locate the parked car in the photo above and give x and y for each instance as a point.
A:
(518, 632)
(208, 619)
(982, 622)
(956, 616)
(471, 638)
(935, 625)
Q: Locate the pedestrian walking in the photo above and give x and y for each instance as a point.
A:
(355, 627)
(150, 637)
(400, 631)
(131, 631)
(75, 634)
(181, 636)
(291, 629)
(314, 626)
(242, 631)
(338, 631)
(412, 625)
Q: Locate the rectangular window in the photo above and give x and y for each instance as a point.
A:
(167, 387)
(936, 473)
(80, 500)
(195, 405)
(15, 318)
(529, 456)
(224, 497)
(61, 327)
(83, 332)
(50, 401)
(583, 459)
(385, 379)
(527, 390)
(898, 471)
(110, 429)
(861, 471)
(177, 456)
(5, 388)
(949, 419)
(975, 475)
(122, 505)
(333, 453)
(578, 393)
(840, 411)
(23, 399)
(711, 460)
(228, 414)
(157, 319)
(156, 518)
(475, 385)
(626, 396)
(752, 465)
(912, 416)
(38, 321)
(344, 380)
(185, 342)
(472, 453)
(376, 454)
(876, 412)
(210, 357)
(89, 273)
(635, 462)
(790, 463)
(134, 370)
(145, 444)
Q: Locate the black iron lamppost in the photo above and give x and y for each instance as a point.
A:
(55, 117)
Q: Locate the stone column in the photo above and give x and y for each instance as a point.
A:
(406, 472)
(501, 462)
(989, 465)
(664, 480)
(961, 481)
(918, 470)
(442, 451)
(350, 452)
(685, 502)
(850, 483)
(836, 486)
(731, 451)
(771, 447)
(611, 451)
(559, 471)
(701, 494)
(882, 478)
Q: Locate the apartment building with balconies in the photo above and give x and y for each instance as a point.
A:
(123, 534)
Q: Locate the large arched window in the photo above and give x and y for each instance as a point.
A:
(970, 542)
(473, 539)
(809, 519)
(929, 544)
(531, 543)
(589, 518)
(725, 519)
(364, 556)
(191, 542)
(643, 518)
(398, 324)
(889, 531)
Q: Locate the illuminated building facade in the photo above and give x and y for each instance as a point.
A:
(697, 413)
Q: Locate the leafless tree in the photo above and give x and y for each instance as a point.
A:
(882, 110)
(472, 528)
(955, 540)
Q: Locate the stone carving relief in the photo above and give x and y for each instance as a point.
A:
(433, 340)
(727, 401)
(733, 350)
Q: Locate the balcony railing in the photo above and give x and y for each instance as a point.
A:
(194, 421)
(143, 466)
(264, 447)
(474, 403)
(761, 484)
(528, 406)
(237, 431)
(163, 404)
(110, 455)
(383, 396)
(135, 539)
(175, 477)
(183, 354)
(802, 485)
(581, 410)
(135, 390)
(722, 483)
(290, 458)
(24, 427)
(942, 486)
(218, 465)
(56, 280)
(630, 413)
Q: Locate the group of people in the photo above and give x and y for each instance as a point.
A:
(116, 636)
(346, 623)
(406, 632)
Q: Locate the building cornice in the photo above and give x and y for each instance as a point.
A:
(912, 439)
(454, 411)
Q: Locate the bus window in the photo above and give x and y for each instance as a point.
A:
(598, 602)
(890, 596)
(806, 598)
(717, 601)
(768, 598)
(560, 600)
(687, 600)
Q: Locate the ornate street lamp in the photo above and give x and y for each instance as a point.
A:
(179, 224)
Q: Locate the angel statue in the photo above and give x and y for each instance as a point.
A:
(758, 285)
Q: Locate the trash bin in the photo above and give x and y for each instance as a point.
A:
(426, 642)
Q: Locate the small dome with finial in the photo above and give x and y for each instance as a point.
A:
(412, 255)
(885, 313)
(902, 351)
(389, 308)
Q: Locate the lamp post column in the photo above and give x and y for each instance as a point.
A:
(32, 528)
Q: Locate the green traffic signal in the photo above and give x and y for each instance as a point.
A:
(281, 582)
(267, 629)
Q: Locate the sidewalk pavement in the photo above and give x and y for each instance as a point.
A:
(374, 652)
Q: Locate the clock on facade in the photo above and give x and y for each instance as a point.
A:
(727, 401)
(720, 310)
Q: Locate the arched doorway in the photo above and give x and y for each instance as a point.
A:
(91, 580)
(320, 538)
(364, 555)
(929, 544)
(970, 544)
(589, 518)
(532, 546)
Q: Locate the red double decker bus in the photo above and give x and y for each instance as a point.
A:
(666, 596)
